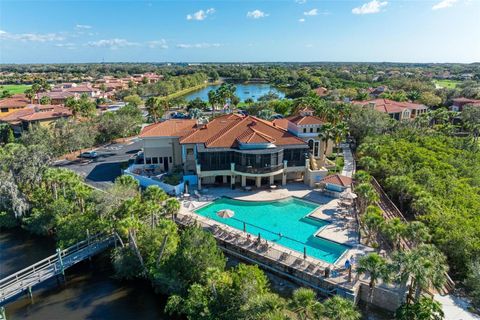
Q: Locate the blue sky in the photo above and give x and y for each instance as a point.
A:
(245, 31)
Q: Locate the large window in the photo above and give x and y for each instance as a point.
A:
(215, 160)
(295, 157)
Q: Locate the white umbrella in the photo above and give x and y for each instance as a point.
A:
(225, 213)
(348, 195)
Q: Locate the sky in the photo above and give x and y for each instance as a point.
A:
(239, 31)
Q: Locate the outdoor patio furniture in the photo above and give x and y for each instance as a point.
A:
(247, 188)
(311, 268)
(283, 256)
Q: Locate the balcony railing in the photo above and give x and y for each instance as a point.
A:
(251, 169)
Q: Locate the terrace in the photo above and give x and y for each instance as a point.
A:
(340, 228)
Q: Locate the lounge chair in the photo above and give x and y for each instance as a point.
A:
(298, 262)
(283, 256)
(311, 268)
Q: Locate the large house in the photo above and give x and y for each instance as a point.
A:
(43, 115)
(12, 104)
(396, 110)
(460, 103)
(234, 149)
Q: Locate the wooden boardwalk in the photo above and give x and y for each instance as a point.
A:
(390, 211)
(24, 280)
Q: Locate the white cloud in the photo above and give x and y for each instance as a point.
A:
(256, 14)
(201, 14)
(31, 37)
(312, 12)
(82, 26)
(370, 7)
(300, 1)
(301, 20)
(444, 4)
(162, 44)
(112, 43)
(198, 45)
(68, 45)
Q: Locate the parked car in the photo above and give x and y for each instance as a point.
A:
(277, 116)
(89, 155)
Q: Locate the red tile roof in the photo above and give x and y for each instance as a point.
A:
(169, 128)
(321, 91)
(81, 88)
(36, 112)
(229, 130)
(391, 106)
(338, 179)
(15, 101)
(56, 94)
(281, 123)
(305, 120)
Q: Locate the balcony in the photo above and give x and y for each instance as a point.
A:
(262, 170)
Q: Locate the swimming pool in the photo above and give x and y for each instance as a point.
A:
(271, 219)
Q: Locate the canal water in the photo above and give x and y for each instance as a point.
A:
(89, 292)
(244, 91)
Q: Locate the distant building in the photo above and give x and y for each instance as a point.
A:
(396, 110)
(43, 115)
(111, 106)
(460, 103)
(375, 92)
(321, 91)
(12, 104)
(57, 97)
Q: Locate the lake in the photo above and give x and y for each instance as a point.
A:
(244, 91)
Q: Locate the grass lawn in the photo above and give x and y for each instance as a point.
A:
(449, 84)
(14, 88)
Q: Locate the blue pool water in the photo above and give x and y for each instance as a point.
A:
(272, 218)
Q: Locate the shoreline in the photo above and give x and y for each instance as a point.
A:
(192, 89)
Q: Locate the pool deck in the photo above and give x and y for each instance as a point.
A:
(341, 228)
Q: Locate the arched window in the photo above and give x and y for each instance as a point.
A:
(310, 145)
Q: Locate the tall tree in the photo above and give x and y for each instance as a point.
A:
(376, 268)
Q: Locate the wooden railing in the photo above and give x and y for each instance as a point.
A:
(391, 211)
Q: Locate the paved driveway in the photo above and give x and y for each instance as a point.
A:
(101, 172)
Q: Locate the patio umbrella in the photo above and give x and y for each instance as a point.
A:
(348, 195)
(225, 213)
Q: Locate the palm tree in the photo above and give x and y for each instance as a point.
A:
(376, 268)
(340, 308)
(339, 132)
(30, 94)
(212, 99)
(326, 134)
(265, 114)
(424, 309)
(154, 106)
(394, 230)
(366, 196)
(430, 270)
(417, 233)
(424, 267)
(195, 113)
(172, 206)
(305, 304)
(372, 221)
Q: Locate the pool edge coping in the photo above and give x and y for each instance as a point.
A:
(308, 215)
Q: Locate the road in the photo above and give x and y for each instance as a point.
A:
(102, 171)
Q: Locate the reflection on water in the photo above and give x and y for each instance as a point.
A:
(244, 91)
(88, 293)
